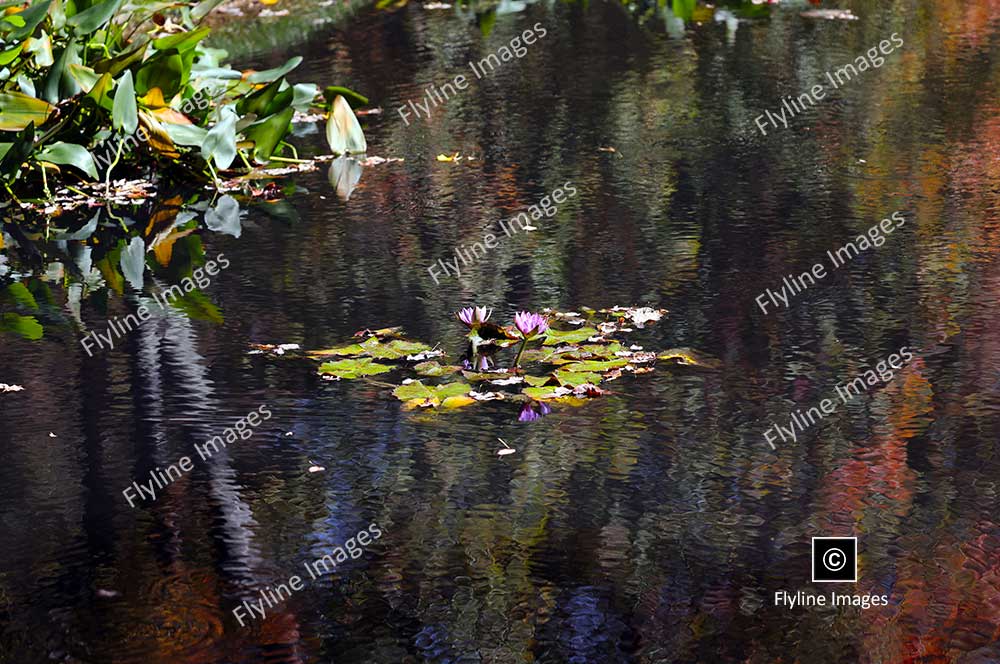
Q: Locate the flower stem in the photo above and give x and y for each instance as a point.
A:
(521, 350)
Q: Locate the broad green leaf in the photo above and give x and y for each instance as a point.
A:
(182, 41)
(574, 378)
(122, 61)
(84, 76)
(125, 113)
(89, 20)
(31, 16)
(220, 142)
(166, 70)
(201, 10)
(433, 369)
(303, 95)
(353, 98)
(395, 349)
(99, 92)
(269, 75)
(196, 306)
(69, 154)
(267, 134)
(435, 393)
(353, 368)
(556, 337)
(17, 111)
(595, 365)
(26, 326)
(343, 132)
(58, 84)
(185, 134)
(17, 153)
(8, 56)
(134, 262)
(19, 294)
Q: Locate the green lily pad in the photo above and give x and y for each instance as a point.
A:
(418, 394)
(395, 349)
(574, 378)
(595, 365)
(476, 376)
(537, 381)
(433, 369)
(556, 337)
(353, 368)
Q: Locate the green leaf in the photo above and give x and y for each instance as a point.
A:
(17, 153)
(93, 18)
(185, 134)
(183, 41)
(201, 10)
(303, 95)
(595, 365)
(343, 132)
(353, 368)
(267, 134)
(84, 76)
(353, 98)
(19, 294)
(17, 111)
(269, 75)
(26, 326)
(125, 113)
(8, 56)
(433, 369)
(69, 154)
(122, 61)
(133, 262)
(220, 142)
(574, 378)
(31, 16)
(556, 337)
(434, 394)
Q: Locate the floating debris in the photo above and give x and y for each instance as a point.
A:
(4, 387)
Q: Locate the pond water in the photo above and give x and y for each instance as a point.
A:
(654, 524)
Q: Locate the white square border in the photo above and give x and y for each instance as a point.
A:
(812, 560)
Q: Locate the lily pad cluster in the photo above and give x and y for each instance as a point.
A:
(565, 357)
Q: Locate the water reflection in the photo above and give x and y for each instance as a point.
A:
(653, 524)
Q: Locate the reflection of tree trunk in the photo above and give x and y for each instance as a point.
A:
(168, 343)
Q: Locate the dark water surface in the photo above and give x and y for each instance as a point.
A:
(652, 525)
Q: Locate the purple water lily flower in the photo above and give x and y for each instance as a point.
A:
(529, 414)
(530, 325)
(473, 317)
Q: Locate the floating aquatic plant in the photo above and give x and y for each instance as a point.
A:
(569, 367)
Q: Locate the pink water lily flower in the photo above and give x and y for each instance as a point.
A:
(530, 325)
(474, 317)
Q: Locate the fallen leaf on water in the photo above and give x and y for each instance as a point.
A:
(454, 157)
(316, 469)
(4, 387)
(606, 149)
